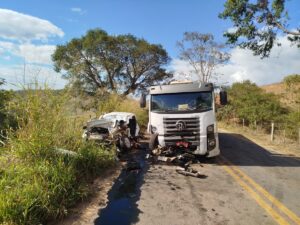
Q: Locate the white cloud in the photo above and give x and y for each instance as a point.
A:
(78, 10)
(6, 46)
(22, 27)
(23, 37)
(243, 65)
(283, 60)
(40, 54)
(37, 53)
(14, 76)
(7, 57)
(232, 29)
(182, 69)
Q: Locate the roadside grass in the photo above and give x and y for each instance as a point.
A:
(45, 166)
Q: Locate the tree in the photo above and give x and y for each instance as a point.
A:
(256, 24)
(202, 53)
(142, 64)
(121, 63)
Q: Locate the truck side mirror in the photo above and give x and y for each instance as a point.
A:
(223, 97)
(143, 101)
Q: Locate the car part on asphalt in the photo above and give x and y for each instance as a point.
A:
(177, 156)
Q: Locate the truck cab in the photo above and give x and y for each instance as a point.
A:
(183, 115)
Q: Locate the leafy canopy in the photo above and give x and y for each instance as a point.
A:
(122, 63)
(256, 24)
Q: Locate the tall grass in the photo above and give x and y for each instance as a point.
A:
(39, 182)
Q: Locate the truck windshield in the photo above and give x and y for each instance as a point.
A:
(182, 102)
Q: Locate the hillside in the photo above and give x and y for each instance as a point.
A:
(286, 97)
(276, 88)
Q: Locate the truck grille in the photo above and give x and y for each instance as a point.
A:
(190, 132)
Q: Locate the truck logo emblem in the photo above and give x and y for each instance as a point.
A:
(180, 125)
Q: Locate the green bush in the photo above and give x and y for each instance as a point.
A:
(248, 101)
(292, 125)
(38, 181)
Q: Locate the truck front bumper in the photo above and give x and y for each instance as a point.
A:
(200, 150)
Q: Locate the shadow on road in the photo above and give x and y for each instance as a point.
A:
(243, 152)
(122, 205)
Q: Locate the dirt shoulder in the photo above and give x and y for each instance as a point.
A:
(262, 139)
(87, 211)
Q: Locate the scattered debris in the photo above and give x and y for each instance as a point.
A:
(177, 156)
(190, 172)
(119, 128)
(166, 159)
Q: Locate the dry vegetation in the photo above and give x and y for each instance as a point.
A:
(286, 97)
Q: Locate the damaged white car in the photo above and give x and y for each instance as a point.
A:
(118, 127)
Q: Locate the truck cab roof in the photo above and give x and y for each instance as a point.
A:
(181, 88)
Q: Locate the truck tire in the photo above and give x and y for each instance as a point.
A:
(153, 143)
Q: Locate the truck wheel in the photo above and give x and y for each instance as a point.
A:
(153, 143)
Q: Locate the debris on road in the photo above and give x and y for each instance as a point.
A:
(190, 172)
(176, 156)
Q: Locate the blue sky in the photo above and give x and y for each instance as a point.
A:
(158, 21)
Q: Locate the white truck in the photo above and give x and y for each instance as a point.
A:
(183, 115)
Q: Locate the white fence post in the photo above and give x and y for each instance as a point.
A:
(272, 131)
(243, 123)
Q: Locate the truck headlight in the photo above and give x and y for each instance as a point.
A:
(210, 129)
(211, 140)
(153, 129)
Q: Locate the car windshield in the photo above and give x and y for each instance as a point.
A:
(180, 102)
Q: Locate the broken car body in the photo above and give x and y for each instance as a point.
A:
(120, 127)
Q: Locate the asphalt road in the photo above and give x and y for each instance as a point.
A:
(246, 185)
